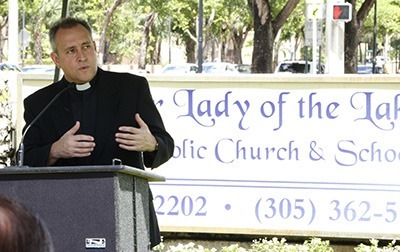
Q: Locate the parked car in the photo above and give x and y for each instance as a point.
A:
(180, 68)
(219, 68)
(380, 60)
(367, 69)
(244, 68)
(9, 67)
(297, 67)
(39, 69)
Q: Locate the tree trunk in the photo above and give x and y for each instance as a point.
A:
(190, 46)
(237, 49)
(352, 34)
(37, 45)
(238, 38)
(145, 40)
(263, 47)
(277, 46)
(351, 41)
(101, 60)
(265, 31)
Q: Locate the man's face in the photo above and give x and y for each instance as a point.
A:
(76, 54)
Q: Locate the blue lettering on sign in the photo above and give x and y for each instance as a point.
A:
(268, 109)
(204, 112)
(379, 113)
(227, 151)
(350, 154)
(316, 107)
(189, 150)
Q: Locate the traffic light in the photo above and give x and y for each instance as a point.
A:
(342, 12)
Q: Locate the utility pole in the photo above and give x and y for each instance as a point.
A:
(374, 43)
(13, 32)
(200, 39)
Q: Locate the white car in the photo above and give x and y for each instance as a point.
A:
(297, 67)
(39, 69)
(219, 68)
(9, 67)
(180, 68)
(380, 60)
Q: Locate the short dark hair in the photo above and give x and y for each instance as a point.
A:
(65, 23)
(20, 229)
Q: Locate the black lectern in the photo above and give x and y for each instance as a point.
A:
(86, 208)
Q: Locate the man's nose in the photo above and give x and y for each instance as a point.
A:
(81, 55)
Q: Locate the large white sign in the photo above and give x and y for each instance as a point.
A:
(309, 160)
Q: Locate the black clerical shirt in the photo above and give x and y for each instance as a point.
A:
(83, 105)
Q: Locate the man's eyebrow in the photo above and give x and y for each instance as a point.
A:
(73, 47)
(69, 48)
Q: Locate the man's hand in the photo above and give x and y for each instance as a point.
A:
(136, 139)
(71, 145)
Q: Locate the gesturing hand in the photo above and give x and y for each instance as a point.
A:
(71, 145)
(136, 139)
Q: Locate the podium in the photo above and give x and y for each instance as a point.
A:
(86, 208)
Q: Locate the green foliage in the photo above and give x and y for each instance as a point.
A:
(3, 7)
(391, 247)
(190, 247)
(262, 245)
(280, 245)
(38, 16)
(124, 34)
(233, 248)
(313, 245)
(388, 21)
(6, 125)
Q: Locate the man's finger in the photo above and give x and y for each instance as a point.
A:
(75, 129)
(140, 122)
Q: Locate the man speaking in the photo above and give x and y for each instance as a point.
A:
(103, 116)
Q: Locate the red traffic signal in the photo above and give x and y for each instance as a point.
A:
(342, 12)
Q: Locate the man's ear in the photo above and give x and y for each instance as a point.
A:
(55, 59)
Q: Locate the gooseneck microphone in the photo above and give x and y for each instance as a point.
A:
(21, 145)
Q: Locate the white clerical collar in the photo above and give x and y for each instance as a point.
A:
(83, 87)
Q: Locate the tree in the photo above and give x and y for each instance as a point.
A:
(352, 34)
(293, 31)
(226, 25)
(184, 23)
(38, 14)
(3, 25)
(146, 39)
(266, 27)
(153, 31)
(235, 24)
(108, 14)
(388, 27)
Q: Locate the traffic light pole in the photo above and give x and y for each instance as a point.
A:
(334, 42)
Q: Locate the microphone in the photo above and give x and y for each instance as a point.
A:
(21, 145)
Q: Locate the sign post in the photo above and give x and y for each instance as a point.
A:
(314, 13)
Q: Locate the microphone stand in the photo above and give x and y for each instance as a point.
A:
(21, 145)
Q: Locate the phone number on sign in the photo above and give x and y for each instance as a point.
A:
(266, 209)
(305, 209)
